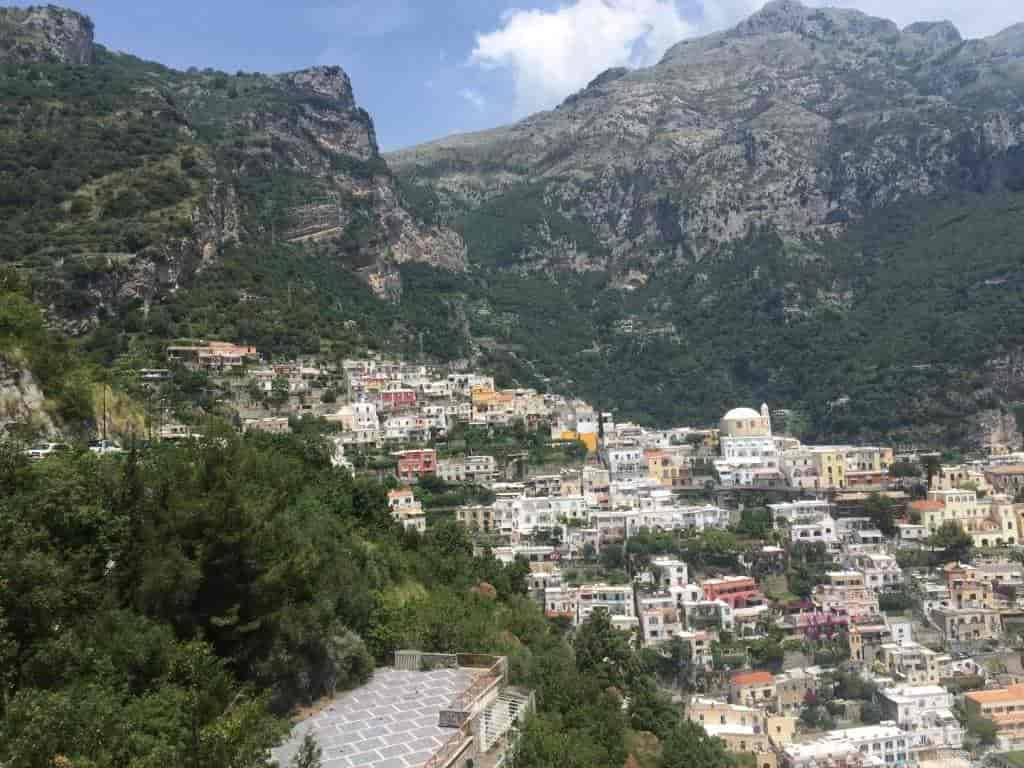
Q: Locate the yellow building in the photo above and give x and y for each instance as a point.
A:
(990, 522)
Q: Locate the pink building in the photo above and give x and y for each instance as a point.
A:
(736, 591)
(412, 465)
(395, 399)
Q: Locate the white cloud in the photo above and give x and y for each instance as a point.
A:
(474, 97)
(552, 53)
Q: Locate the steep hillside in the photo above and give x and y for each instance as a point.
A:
(120, 180)
(742, 222)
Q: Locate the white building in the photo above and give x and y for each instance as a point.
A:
(671, 572)
(881, 572)
(925, 714)
(626, 463)
(885, 742)
(802, 511)
(821, 531)
(617, 600)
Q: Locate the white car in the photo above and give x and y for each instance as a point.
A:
(41, 451)
(104, 447)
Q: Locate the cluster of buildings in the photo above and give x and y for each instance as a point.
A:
(636, 481)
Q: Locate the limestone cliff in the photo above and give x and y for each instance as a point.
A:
(149, 174)
(45, 34)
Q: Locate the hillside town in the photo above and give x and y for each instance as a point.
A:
(825, 605)
(838, 606)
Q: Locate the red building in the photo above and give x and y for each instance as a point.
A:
(412, 465)
(395, 399)
(737, 591)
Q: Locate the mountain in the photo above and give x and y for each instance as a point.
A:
(121, 180)
(798, 120)
(815, 207)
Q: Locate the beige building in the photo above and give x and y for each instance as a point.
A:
(745, 730)
(1004, 707)
(968, 625)
(753, 688)
(991, 522)
(912, 663)
(846, 591)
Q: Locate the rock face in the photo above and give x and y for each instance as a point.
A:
(251, 159)
(796, 121)
(46, 34)
(21, 399)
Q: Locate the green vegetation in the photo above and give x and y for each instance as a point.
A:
(66, 381)
(168, 608)
(954, 541)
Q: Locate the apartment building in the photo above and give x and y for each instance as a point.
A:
(1004, 707)
(670, 572)
(881, 572)
(886, 743)
(925, 714)
(802, 511)
(406, 509)
(736, 591)
(820, 531)
(412, 465)
(481, 470)
(617, 600)
(968, 625)
(846, 591)
(745, 730)
(752, 689)
(661, 619)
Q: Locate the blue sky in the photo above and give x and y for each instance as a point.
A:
(428, 68)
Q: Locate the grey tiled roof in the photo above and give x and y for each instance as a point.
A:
(391, 722)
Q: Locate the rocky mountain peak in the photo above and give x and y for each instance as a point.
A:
(941, 32)
(330, 82)
(791, 16)
(39, 34)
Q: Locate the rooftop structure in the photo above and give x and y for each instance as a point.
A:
(428, 711)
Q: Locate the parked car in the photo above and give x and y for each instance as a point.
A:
(42, 450)
(104, 447)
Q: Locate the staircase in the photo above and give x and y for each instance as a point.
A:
(501, 716)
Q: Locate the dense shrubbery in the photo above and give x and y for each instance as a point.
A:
(163, 608)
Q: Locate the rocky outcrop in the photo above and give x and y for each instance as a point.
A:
(40, 34)
(798, 121)
(21, 399)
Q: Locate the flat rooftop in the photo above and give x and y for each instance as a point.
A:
(391, 722)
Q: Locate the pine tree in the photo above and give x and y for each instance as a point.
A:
(308, 755)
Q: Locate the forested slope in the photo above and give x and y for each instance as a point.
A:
(169, 608)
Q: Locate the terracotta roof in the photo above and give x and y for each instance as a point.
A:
(1015, 469)
(1013, 693)
(753, 678)
(929, 504)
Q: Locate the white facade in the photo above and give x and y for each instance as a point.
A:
(885, 742)
(802, 511)
(626, 463)
(925, 713)
(821, 531)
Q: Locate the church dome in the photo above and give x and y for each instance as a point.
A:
(737, 414)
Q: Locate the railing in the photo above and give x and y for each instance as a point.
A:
(449, 749)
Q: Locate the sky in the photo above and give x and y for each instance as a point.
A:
(425, 69)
